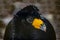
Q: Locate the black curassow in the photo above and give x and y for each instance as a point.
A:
(28, 24)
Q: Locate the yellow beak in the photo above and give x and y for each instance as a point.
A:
(37, 23)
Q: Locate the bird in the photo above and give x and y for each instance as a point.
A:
(28, 24)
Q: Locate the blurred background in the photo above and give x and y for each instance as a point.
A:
(50, 9)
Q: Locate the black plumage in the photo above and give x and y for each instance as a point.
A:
(20, 27)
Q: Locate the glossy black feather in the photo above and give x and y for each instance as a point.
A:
(20, 29)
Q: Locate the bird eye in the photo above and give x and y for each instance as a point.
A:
(29, 19)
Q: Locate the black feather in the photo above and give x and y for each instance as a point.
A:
(20, 29)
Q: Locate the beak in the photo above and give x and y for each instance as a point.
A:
(43, 28)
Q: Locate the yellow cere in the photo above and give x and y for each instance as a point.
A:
(37, 23)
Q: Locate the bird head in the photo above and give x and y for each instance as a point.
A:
(28, 11)
(30, 14)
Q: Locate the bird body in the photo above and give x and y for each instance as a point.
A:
(27, 24)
